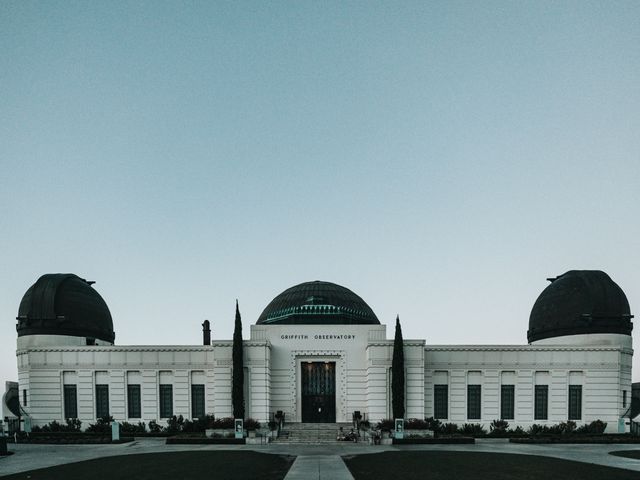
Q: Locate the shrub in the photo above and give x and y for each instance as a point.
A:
(596, 427)
(537, 429)
(569, 426)
(174, 424)
(102, 425)
(415, 424)
(251, 424)
(188, 426)
(433, 424)
(205, 422)
(473, 429)
(226, 422)
(273, 425)
(517, 431)
(449, 428)
(72, 425)
(154, 427)
(499, 427)
(127, 428)
(386, 425)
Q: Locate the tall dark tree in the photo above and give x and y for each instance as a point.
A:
(237, 392)
(397, 373)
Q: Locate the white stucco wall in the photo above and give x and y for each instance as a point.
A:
(363, 356)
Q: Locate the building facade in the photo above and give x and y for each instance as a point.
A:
(318, 353)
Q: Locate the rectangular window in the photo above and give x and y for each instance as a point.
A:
(70, 394)
(166, 401)
(507, 402)
(575, 402)
(134, 409)
(541, 402)
(24, 397)
(473, 402)
(441, 401)
(102, 401)
(624, 399)
(197, 401)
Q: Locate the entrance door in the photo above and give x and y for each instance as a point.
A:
(318, 392)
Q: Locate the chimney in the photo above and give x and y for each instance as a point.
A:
(206, 333)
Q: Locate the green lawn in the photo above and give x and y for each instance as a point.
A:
(171, 465)
(433, 465)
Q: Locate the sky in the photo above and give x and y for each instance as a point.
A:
(440, 159)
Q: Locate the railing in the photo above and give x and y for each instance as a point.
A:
(635, 428)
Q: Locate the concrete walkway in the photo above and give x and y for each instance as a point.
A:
(318, 467)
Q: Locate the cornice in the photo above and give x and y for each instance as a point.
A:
(526, 348)
(141, 348)
(389, 343)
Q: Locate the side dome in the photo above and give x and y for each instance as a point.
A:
(64, 304)
(318, 303)
(580, 302)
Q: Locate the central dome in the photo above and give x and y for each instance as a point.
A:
(318, 303)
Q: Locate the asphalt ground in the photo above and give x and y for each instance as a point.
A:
(169, 465)
(477, 466)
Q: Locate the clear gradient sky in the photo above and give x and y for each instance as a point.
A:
(441, 159)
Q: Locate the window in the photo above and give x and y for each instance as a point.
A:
(441, 401)
(197, 401)
(70, 399)
(507, 402)
(624, 399)
(133, 401)
(166, 401)
(24, 397)
(102, 401)
(575, 402)
(541, 402)
(473, 401)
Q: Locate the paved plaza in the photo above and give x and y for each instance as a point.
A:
(313, 461)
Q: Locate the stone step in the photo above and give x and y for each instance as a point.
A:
(312, 433)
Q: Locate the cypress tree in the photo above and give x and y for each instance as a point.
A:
(397, 373)
(237, 392)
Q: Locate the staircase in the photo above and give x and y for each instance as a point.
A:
(312, 433)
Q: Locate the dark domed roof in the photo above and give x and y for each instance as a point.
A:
(318, 303)
(579, 302)
(64, 304)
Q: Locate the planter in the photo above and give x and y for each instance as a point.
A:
(423, 433)
(219, 432)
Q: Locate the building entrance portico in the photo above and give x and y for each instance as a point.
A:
(318, 392)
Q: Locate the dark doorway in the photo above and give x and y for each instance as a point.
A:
(318, 392)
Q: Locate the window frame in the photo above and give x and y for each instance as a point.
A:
(134, 405)
(70, 401)
(198, 400)
(574, 401)
(440, 404)
(541, 402)
(508, 399)
(166, 400)
(102, 400)
(474, 402)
